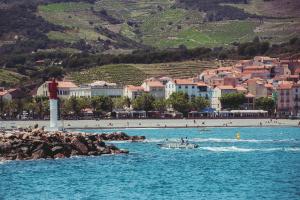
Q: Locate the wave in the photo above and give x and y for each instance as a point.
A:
(4, 161)
(223, 140)
(237, 149)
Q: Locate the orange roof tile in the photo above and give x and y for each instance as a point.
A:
(200, 83)
(226, 87)
(285, 86)
(134, 88)
(241, 88)
(65, 84)
(297, 70)
(249, 95)
(268, 85)
(224, 69)
(188, 81)
(155, 84)
(254, 67)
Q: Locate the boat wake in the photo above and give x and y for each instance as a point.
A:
(222, 140)
(237, 149)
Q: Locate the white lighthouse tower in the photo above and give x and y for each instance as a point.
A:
(52, 86)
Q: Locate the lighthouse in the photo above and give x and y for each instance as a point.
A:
(52, 86)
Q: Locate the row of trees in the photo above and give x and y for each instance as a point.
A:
(38, 107)
(237, 100)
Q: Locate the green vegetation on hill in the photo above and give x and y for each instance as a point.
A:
(77, 17)
(121, 74)
(136, 73)
(9, 78)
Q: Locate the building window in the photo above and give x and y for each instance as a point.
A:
(179, 86)
(193, 87)
(186, 87)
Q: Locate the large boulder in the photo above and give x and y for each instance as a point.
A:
(79, 146)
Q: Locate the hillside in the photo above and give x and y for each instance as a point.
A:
(120, 26)
(8, 78)
(104, 37)
(136, 73)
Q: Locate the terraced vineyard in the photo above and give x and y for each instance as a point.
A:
(77, 17)
(136, 73)
(158, 23)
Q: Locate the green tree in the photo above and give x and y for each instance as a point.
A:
(75, 105)
(160, 105)
(10, 108)
(144, 102)
(265, 103)
(233, 101)
(199, 103)
(180, 102)
(121, 102)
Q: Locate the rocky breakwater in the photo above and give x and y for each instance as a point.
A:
(39, 144)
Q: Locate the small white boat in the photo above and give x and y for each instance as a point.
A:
(178, 145)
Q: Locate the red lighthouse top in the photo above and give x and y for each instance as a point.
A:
(52, 86)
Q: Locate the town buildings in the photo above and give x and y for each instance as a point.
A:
(257, 78)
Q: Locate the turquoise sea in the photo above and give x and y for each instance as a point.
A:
(263, 164)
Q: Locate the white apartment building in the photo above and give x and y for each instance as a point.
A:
(192, 87)
(218, 92)
(154, 87)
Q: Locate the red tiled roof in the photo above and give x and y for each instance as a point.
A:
(224, 69)
(226, 87)
(188, 81)
(285, 86)
(249, 95)
(268, 85)
(241, 88)
(155, 84)
(297, 70)
(65, 84)
(135, 88)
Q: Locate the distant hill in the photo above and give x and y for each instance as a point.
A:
(100, 39)
(120, 26)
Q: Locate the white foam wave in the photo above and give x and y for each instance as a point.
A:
(223, 140)
(119, 142)
(4, 161)
(237, 149)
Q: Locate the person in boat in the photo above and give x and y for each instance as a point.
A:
(182, 141)
(186, 141)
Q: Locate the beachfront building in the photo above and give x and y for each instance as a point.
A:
(103, 88)
(82, 91)
(67, 89)
(259, 88)
(132, 92)
(218, 92)
(288, 102)
(154, 87)
(192, 87)
(64, 89)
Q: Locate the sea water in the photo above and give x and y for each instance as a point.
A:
(263, 164)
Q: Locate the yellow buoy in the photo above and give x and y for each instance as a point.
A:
(238, 136)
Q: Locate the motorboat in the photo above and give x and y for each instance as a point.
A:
(178, 145)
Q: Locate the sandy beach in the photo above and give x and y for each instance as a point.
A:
(155, 123)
